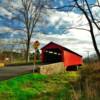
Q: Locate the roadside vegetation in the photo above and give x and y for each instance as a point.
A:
(17, 59)
(38, 87)
(88, 85)
(74, 85)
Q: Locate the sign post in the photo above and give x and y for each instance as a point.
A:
(36, 44)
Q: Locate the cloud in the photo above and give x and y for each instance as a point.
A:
(5, 29)
(5, 12)
(77, 40)
(69, 41)
(61, 29)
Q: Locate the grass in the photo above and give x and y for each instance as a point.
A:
(80, 85)
(38, 87)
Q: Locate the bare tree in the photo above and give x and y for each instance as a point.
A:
(86, 8)
(26, 14)
(31, 14)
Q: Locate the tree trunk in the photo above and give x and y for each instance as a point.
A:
(27, 50)
(94, 41)
(91, 29)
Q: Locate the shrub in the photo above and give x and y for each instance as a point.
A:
(90, 80)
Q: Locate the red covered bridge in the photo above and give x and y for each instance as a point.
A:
(53, 52)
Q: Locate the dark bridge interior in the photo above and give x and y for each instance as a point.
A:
(52, 55)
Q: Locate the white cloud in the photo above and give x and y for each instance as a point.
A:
(5, 29)
(77, 40)
(4, 12)
(73, 18)
(69, 41)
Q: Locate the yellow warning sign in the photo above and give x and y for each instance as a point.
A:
(36, 44)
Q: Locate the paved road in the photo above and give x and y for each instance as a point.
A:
(8, 72)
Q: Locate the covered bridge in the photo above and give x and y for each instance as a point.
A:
(52, 53)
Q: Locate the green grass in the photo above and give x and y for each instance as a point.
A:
(37, 87)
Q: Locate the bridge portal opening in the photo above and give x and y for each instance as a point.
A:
(52, 55)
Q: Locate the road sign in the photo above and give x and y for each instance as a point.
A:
(36, 44)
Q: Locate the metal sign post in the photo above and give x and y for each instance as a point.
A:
(34, 62)
(35, 45)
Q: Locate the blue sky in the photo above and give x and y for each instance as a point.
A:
(77, 40)
(5, 21)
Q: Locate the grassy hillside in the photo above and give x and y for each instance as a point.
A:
(38, 87)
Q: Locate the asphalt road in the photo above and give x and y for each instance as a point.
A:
(8, 72)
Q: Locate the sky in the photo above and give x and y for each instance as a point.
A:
(56, 29)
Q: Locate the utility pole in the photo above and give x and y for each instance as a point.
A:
(88, 55)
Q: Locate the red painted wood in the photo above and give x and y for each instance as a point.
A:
(50, 46)
(68, 57)
(42, 56)
(71, 59)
